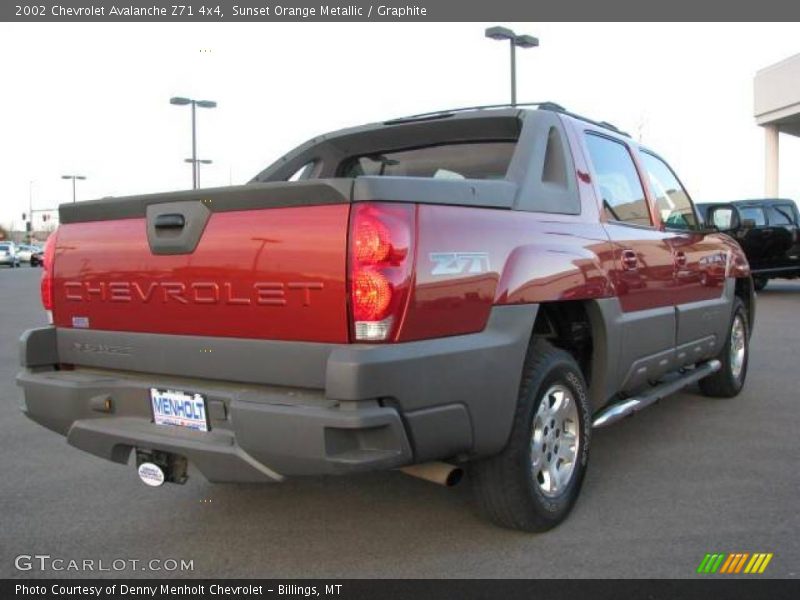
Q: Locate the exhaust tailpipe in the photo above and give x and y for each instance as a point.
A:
(436, 472)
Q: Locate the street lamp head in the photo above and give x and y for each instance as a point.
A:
(81, 177)
(500, 33)
(526, 41)
(179, 100)
(205, 161)
(206, 104)
(66, 177)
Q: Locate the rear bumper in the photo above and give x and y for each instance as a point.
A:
(332, 409)
(253, 436)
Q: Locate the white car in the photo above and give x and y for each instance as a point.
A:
(24, 252)
(8, 254)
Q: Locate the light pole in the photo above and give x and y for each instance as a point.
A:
(198, 162)
(29, 226)
(73, 177)
(523, 41)
(181, 101)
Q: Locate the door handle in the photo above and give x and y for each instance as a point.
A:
(680, 258)
(630, 262)
(170, 221)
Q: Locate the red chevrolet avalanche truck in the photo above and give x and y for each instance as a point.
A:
(475, 289)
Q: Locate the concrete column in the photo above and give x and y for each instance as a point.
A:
(771, 165)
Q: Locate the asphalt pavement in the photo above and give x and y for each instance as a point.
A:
(688, 476)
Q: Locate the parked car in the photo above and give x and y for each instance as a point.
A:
(464, 289)
(768, 231)
(37, 258)
(25, 251)
(8, 254)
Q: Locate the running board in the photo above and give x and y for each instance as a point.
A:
(620, 410)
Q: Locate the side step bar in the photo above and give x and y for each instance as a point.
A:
(620, 410)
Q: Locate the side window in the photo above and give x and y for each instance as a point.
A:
(756, 213)
(780, 215)
(722, 218)
(621, 190)
(303, 172)
(672, 200)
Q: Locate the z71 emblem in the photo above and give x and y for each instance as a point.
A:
(457, 263)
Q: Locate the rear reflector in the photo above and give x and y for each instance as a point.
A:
(381, 265)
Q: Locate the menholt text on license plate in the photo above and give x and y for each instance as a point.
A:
(172, 407)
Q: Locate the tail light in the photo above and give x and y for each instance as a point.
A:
(381, 267)
(47, 274)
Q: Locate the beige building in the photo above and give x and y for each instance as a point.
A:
(777, 109)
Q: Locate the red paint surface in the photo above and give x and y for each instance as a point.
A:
(272, 274)
(528, 258)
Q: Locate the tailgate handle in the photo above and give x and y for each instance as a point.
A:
(171, 221)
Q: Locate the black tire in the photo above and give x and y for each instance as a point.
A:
(505, 487)
(726, 383)
(759, 282)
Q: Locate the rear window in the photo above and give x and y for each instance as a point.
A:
(780, 215)
(468, 160)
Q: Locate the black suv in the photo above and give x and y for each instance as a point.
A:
(768, 231)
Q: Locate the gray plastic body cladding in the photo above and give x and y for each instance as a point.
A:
(464, 192)
(482, 371)
(635, 348)
(440, 432)
(291, 364)
(527, 168)
(257, 433)
(240, 197)
(37, 347)
(706, 318)
(179, 240)
(457, 395)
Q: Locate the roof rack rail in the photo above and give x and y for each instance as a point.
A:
(546, 105)
(438, 114)
(603, 124)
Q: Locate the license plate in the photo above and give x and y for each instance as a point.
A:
(181, 409)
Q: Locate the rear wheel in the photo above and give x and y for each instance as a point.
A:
(729, 380)
(759, 283)
(534, 482)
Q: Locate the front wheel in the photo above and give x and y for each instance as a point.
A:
(534, 482)
(729, 380)
(759, 282)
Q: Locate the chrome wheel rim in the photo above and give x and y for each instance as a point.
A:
(738, 346)
(555, 441)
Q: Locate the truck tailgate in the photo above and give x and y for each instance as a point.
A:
(264, 261)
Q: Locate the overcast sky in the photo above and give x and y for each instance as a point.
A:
(92, 99)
